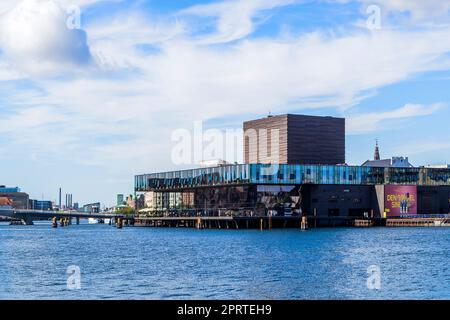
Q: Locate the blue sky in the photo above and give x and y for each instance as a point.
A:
(87, 108)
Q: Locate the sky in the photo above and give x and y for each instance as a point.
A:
(91, 92)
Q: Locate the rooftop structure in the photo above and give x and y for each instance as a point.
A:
(376, 156)
(395, 162)
(213, 163)
(442, 166)
(295, 139)
(4, 189)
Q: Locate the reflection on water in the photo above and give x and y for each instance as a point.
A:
(147, 263)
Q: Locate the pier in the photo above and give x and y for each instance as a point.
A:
(62, 219)
(284, 222)
(255, 222)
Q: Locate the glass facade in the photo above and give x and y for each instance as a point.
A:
(4, 189)
(41, 205)
(245, 174)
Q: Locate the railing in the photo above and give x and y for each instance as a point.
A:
(427, 216)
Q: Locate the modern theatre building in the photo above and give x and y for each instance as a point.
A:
(295, 165)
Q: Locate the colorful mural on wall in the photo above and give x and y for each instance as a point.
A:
(400, 200)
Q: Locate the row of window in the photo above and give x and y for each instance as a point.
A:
(291, 174)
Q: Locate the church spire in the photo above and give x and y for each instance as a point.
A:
(377, 151)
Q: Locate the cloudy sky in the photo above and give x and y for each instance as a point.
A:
(87, 108)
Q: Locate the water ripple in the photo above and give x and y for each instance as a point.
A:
(145, 263)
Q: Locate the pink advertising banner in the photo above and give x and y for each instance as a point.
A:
(400, 200)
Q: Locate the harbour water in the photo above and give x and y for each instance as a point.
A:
(157, 263)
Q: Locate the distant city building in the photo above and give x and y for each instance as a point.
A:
(136, 202)
(295, 139)
(69, 199)
(76, 206)
(394, 162)
(20, 200)
(60, 195)
(92, 207)
(40, 205)
(120, 199)
(4, 189)
(130, 201)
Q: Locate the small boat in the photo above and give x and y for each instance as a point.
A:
(93, 221)
(107, 221)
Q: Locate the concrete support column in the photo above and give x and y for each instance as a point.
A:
(28, 221)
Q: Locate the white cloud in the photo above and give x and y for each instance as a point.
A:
(7, 72)
(234, 18)
(193, 82)
(417, 9)
(376, 121)
(29, 118)
(6, 5)
(35, 37)
(114, 42)
(120, 115)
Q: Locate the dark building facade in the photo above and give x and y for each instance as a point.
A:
(19, 200)
(92, 207)
(321, 190)
(40, 205)
(295, 139)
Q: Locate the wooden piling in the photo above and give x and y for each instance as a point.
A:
(54, 222)
(315, 218)
(304, 223)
